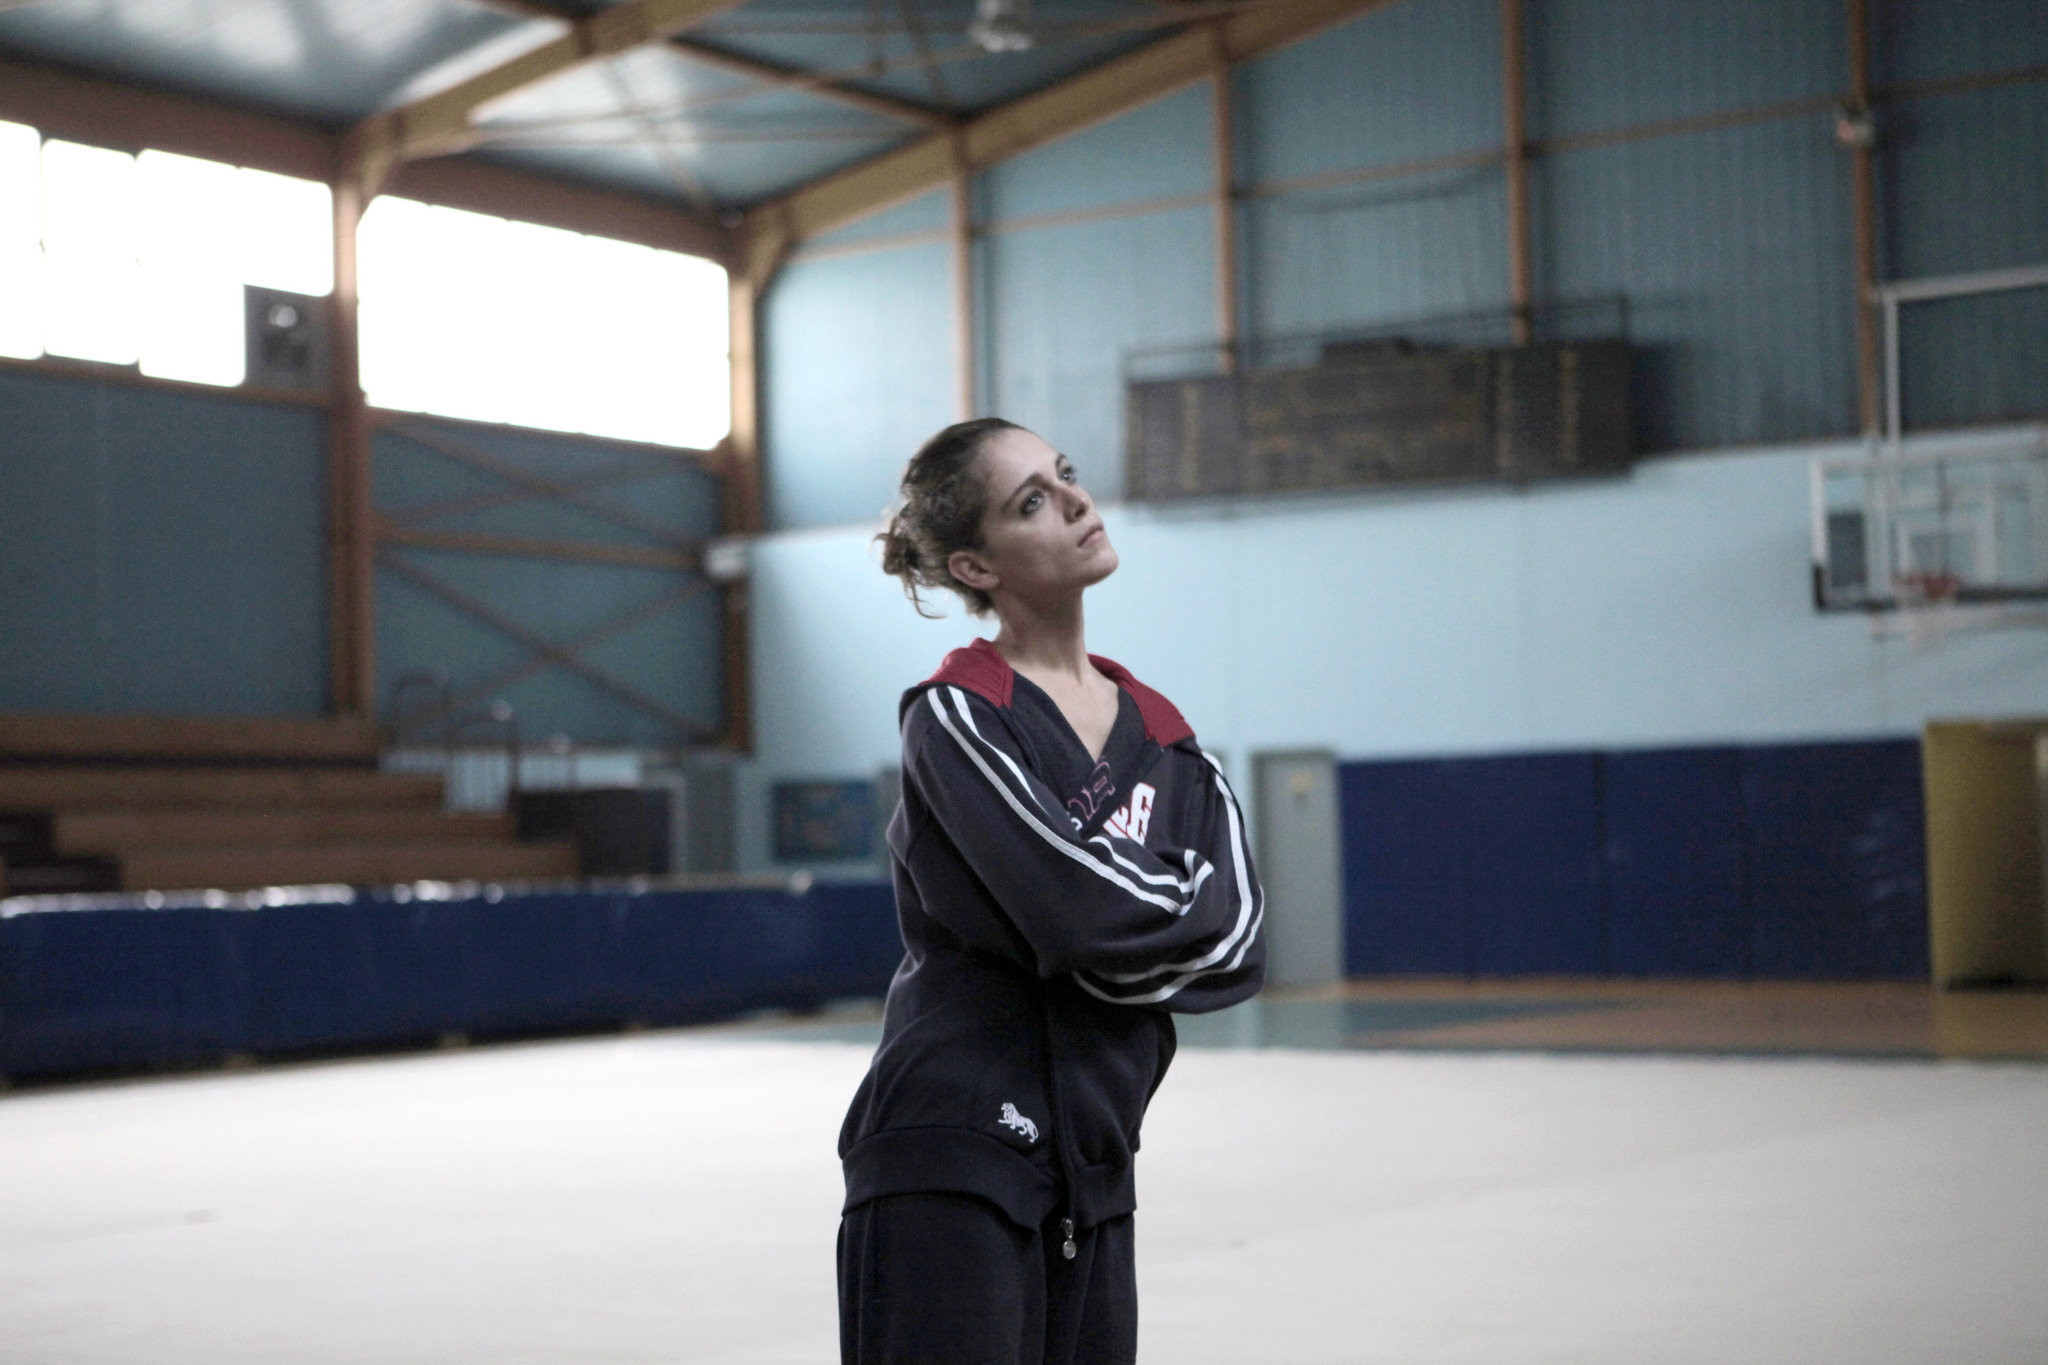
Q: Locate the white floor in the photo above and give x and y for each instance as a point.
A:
(672, 1198)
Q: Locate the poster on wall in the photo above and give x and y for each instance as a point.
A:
(819, 821)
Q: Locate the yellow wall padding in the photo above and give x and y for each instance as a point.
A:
(1984, 841)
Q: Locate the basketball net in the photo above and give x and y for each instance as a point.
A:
(1927, 604)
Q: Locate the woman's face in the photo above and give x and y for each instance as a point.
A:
(1041, 537)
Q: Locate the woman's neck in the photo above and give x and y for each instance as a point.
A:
(1045, 642)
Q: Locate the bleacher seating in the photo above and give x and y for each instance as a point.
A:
(153, 803)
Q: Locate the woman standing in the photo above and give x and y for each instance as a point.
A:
(1070, 867)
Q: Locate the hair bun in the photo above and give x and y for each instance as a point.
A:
(939, 512)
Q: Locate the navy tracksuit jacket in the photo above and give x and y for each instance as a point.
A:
(1053, 917)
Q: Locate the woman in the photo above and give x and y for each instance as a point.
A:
(1069, 868)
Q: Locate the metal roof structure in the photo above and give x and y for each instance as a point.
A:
(731, 129)
(708, 106)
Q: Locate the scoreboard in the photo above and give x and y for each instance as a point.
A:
(1385, 415)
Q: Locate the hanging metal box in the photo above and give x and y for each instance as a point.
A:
(1384, 415)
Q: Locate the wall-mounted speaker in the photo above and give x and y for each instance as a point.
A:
(287, 339)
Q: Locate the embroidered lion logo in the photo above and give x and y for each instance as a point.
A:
(1012, 1119)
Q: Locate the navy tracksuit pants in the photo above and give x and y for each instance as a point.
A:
(946, 1279)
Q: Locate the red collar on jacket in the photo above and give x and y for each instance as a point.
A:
(983, 671)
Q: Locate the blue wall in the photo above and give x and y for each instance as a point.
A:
(1407, 83)
(1092, 247)
(160, 552)
(1671, 608)
(856, 365)
(674, 656)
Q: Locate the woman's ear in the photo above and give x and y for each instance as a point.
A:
(971, 569)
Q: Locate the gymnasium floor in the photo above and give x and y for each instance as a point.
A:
(1542, 1172)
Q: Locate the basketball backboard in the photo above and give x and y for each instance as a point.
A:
(1957, 530)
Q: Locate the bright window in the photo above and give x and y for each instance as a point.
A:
(471, 316)
(21, 241)
(140, 260)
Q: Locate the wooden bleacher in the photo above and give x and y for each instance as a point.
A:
(91, 803)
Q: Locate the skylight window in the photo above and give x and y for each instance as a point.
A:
(142, 260)
(466, 315)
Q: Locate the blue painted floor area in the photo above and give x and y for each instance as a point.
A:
(1322, 1024)
(1355, 1023)
(1874, 1020)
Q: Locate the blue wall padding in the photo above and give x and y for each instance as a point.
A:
(1407, 906)
(1472, 866)
(120, 989)
(1837, 863)
(1534, 865)
(1768, 862)
(86, 991)
(1674, 863)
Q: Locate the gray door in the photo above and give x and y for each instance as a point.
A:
(1298, 864)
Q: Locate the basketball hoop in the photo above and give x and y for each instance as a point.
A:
(1935, 535)
(1927, 604)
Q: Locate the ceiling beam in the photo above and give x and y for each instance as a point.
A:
(132, 118)
(439, 124)
(483, 187)
(1069, 106)
(825, 87)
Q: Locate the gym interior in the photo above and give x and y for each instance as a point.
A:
(1580, 466)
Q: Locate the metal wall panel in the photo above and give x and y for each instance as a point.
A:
(1158, 151)
(1063, 306)
(473, 479)
(159, 552)
(673, 657)
(1733, 249)
(1412, 80)
(1965, 189)
(1731, 245)
(1409, 82)
(926, 213)
(1921, 40)
(1965, 182)
(665, 489)
(1359, 255)
(1601, 64)
(858, 369)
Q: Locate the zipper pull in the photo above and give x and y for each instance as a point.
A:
(1067, 1231)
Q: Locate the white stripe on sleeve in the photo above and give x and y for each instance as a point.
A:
(1240, 938)
(1075, 851)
